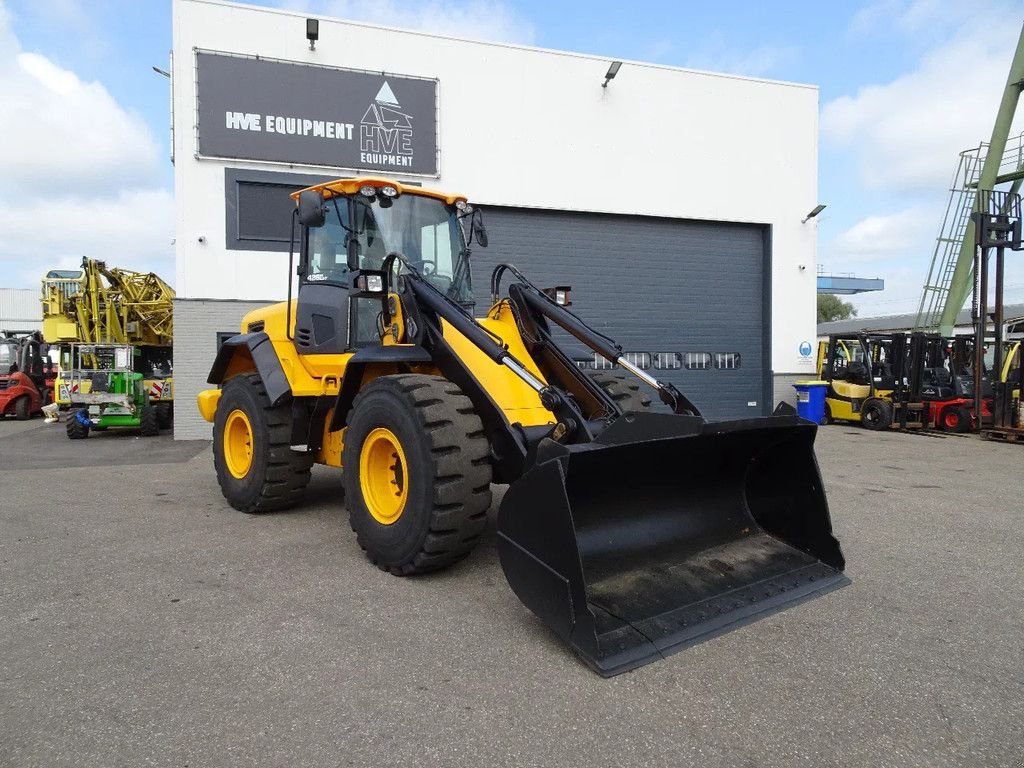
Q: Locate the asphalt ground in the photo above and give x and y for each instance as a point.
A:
(144, 622)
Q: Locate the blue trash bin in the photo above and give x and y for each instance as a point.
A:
(810, 400)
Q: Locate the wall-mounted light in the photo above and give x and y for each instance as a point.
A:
(613, 70)
(312, 32)
(163, 72)
(817, 209)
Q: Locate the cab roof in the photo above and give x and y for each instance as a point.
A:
(343, 187)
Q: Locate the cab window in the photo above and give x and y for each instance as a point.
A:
(328, 249)
(436, 249)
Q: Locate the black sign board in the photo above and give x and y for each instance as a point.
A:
(261, 109)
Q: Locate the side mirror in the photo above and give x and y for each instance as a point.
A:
(312, 211)
(477, 228)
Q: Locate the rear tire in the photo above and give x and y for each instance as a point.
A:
(165, 415)
(277, 476)
(76, 430)
(876, 415)
(623, 389)
(149, 422)
(444, 485)
(828, 416)
(21, 408)
(955, 418)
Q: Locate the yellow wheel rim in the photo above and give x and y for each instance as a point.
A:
(238, 444)
(383, 475)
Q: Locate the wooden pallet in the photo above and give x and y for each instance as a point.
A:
(1004, 434)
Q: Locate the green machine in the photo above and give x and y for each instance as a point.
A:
(105, 392)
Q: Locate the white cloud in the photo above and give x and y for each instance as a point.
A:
(60, 131)
(473, 19)
(907, 133)
(131, 229)
(893, 246)
(918, 17)
(898, 247)
(890, 237)
(76, 173)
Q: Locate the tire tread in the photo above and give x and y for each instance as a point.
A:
(287, 472)
(460, 452)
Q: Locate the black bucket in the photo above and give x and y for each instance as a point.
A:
(666, 531)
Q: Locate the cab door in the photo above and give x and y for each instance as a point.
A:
(325, 283)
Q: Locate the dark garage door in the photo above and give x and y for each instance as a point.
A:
(686, 298)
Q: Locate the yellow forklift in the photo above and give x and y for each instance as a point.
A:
(874, 379)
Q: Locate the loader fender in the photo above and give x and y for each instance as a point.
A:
(353, 378)
(264, 358)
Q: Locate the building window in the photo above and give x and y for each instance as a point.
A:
(264, 212)
(668, 361)
(697, 361)
(641, 360)
(258, 208)
(727, 361)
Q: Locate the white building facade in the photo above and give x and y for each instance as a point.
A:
(20, 309)
(671, 200)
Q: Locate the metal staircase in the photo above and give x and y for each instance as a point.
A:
(962, 193)
(955, 222)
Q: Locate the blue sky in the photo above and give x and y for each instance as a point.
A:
(905, 85)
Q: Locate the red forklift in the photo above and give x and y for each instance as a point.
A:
(948, 384)
(27, 375)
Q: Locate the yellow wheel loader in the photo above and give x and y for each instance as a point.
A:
(631, 533)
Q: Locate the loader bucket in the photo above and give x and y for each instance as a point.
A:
(666, 531)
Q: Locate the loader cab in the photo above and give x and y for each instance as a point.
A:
(348, 229)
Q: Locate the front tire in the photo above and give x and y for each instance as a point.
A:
(22, 410)
(165, 415)
(149, 422)
(75, 428)
(955, 418)
(417, 473)
(256, 468)
(876, 415)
